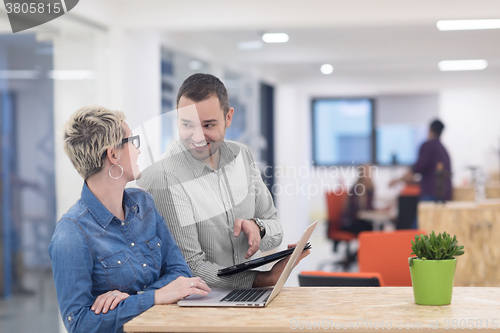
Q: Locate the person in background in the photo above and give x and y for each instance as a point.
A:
(434, 165)
(360, 198)
(113, 256)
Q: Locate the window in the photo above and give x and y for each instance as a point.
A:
(398, 143)
(343, 131)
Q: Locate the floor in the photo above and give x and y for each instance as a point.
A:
(36, 312)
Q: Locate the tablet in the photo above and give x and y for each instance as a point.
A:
(257, 262)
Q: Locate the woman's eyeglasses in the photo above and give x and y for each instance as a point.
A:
(135, 140)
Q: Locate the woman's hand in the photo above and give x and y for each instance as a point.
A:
(180, 288)
(108, 301)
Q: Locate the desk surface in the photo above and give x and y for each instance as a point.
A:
(295, 307)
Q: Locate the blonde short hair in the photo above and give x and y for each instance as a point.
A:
(88, 133)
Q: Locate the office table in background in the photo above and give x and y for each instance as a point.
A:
(477, 227)
(294, 307)
(381, 219)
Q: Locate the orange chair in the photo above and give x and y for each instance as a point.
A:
(339, 279)
(335, 204)
(387, 253)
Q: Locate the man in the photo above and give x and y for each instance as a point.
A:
(434, 166)
(211, 193)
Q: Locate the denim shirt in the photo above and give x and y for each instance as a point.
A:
(93, 252)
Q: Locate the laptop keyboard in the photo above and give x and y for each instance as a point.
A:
(243, 295)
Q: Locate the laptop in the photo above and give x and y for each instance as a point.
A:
(253, 297)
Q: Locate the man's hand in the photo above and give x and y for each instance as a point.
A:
(181, 288)
(408, 178)
(108, 301)
(270, 278)
(394, 182)
(252, 231)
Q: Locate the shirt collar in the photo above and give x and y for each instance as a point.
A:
(102, 215)
(227, 155)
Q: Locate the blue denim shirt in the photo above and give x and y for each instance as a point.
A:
(94, 252)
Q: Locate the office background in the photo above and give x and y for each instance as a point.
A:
(133, 55)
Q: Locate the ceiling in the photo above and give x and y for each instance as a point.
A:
(360, 38)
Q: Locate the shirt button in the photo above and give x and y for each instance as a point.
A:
(158, 244)
(69, 318)
(144, 265)
(119, 262)
(134, 207)
(145, 287)
(123, 223)
(132, 244)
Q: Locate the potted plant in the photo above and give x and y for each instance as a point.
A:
(433, 270)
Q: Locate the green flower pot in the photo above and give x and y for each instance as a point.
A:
(432, 280)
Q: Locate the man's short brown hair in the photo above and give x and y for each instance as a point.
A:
(198, 87)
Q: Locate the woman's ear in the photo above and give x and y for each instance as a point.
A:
(113, 155)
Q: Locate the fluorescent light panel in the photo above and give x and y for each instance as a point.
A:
(462, 65)
(446, 25)
(275, 38)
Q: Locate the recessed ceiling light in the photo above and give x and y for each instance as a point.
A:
(463, 65)
(468, 24)
(275, 38)
(251, 45)
(327, 69)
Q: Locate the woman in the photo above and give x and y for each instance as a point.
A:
(112, 255)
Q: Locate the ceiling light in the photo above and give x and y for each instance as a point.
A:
(275, 38)
(251, 45)
(462, 65)
(468, 24)
(327, 69)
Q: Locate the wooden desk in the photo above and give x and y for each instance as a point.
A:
(468, 193)
(295, 307)
(477, 227)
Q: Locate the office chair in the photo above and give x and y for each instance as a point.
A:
(387, 253)
(335, 204)
(339, 279)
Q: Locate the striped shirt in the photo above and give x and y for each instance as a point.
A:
(200, 206)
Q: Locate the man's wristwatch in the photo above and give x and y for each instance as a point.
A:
(261, 226)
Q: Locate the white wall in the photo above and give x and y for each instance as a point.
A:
(472, 133)
(126, 66)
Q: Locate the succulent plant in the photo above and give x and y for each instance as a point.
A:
(432, 247)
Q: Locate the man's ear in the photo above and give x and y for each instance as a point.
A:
(229, 117)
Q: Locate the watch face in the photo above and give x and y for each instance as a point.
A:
(259, 223)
